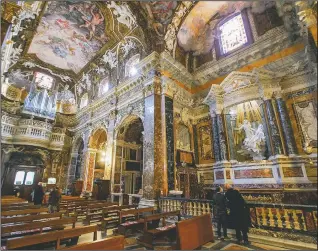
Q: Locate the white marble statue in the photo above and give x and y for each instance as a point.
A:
(254, 139)
(126, 47)
(123, 14)
(110, 58)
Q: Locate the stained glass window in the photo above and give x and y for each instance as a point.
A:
(232, 34)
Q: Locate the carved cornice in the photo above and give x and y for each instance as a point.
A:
(271, 42)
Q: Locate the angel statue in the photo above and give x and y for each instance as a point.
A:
(254, 140)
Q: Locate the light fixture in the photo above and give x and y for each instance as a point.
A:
(133, 71)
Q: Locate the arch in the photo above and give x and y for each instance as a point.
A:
(126, 120)
(98, 137)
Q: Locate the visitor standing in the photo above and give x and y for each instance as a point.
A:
(239, 215)
(54, 200)
(220, 212)
(38, 195)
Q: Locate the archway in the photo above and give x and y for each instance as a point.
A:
(129, 156)
(98, 142)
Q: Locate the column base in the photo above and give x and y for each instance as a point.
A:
(148, 203)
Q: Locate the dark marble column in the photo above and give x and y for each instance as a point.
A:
(222, 138)
(215, 137)
(265, 127)
(273, 128)
(288, 133)
(169, 142)
(230, 135)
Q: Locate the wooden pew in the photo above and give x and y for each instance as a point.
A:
(133, 219)
(112, 243)
(24, 212)
(20, 207)
(151, 232)
(194, 232)
(95, 211)
(30, 218)
(35, 227)
(57, 237)
(111, 216)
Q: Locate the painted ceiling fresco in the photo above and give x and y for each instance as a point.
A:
(197, 31)
(159, 14)
(69, 34)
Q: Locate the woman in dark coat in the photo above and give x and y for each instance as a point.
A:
(38, 195)
(239, 216)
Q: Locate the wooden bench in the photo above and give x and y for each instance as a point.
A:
(30, 218)
(132, 219)
(20, 207)
(112, 243)
(35, 227)
(152, 231)
(24, 212)
(110, 217)
(194, 232)
(95, 211)
(55, 238)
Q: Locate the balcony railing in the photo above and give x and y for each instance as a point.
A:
(32, 132)
(279, 217)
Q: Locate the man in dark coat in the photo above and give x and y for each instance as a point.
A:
(220, 212)
(38, 195)
(238, 213)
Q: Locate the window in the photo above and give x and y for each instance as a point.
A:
(84, 100)
(130, 68)
(51, 180)
(103, 87)
(29, 178)
(43, 80)
(232, 34)
(19, 178)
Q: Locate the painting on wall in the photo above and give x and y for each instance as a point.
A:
(205, 140)
(307, 120)
(69, 34)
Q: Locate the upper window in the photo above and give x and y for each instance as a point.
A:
(130, 68)
(29, 178)
(103, 87)
(43, 80)
(233, 33)
(84, 100)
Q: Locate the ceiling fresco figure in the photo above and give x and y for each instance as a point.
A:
(69, 35)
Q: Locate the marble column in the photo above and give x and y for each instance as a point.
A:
(289, 140)
(168, 104)
(109, 150)
(265, 128)
(215, 137)
(230, 124)
(277, 148)
(222, 138)
(89, 168)
(154, 177)
(72, 169)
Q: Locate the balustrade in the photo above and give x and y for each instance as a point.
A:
(280, 217)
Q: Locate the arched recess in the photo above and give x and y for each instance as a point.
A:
(98, 142)
(128, 169)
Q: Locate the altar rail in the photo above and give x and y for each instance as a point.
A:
(279, 217)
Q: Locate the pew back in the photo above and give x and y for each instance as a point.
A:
(194, 232)
(23, 212)
(29, 218)
(112, 243)
(57, 236)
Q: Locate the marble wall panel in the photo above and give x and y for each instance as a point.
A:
(219, 175)
(290, 172)
(253, 173)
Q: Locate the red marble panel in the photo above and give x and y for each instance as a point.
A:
(219, 175)
(290, 172)
(253, 173)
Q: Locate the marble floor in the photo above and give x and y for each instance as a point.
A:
(256, 243)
